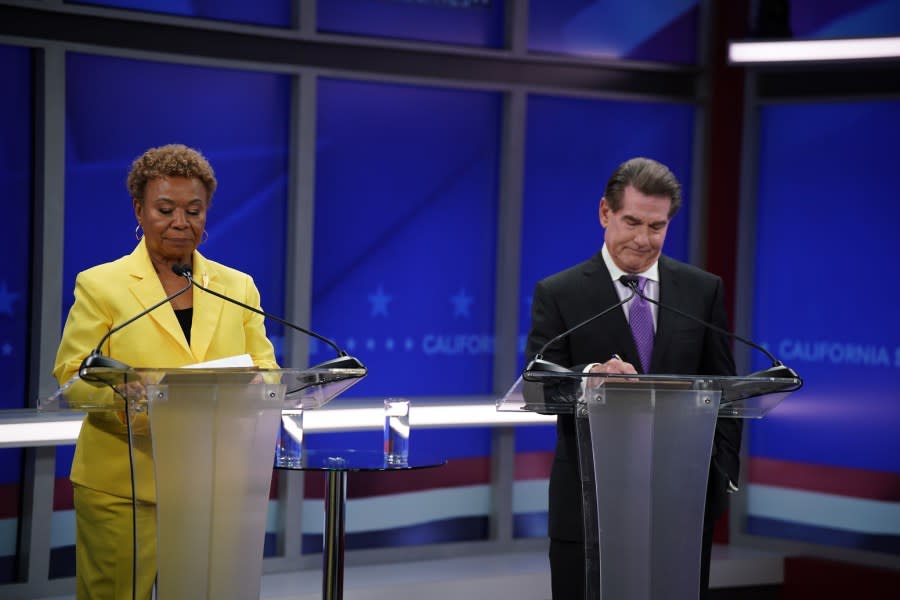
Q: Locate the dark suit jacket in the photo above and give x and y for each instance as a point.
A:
(681, 346)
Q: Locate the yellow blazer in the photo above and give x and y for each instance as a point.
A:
(108, 295)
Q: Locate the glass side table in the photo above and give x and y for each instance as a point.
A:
(335, 464)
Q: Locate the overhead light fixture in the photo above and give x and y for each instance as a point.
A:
(804, 51)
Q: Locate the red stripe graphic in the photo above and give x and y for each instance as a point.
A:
(62, 494)
(533, 465)
(9, 500)
(841, 481)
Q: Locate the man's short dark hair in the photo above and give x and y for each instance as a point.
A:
(646, 176)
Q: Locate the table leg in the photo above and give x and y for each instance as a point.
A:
(333, 537)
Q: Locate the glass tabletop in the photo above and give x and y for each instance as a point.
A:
(356, 460)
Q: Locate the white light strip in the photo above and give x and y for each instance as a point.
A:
(47, 433)
(814, 50)
(462, 415)
(65, 431)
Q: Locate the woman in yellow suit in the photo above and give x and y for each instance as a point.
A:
(171, 188)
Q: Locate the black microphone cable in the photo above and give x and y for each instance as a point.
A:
(129, 432)
(539, 364)
(343, 360)
(96, 359)
(778, 368)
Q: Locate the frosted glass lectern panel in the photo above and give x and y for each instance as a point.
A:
(644, 453)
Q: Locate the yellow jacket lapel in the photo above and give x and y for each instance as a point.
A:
(148, 290)
(207, 308)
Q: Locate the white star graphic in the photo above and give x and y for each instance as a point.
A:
(389, 344)
(379, 302)
(6, 299)
(409, 344)
(461, 303)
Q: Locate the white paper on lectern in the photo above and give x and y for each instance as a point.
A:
(238, 360)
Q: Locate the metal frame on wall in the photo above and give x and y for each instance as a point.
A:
(53, 28)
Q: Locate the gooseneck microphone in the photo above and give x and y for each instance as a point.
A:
(96, 359)
(343, 360)
(539, 364)
(778, 368)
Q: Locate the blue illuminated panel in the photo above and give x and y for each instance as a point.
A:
(15, 227)
(811, 19)
(651, 30)
(467, 22)
(828, 168)
(405, 234)
(573, 146)
(112, 118)
(15, 296)
(275, 13)
(826, 295)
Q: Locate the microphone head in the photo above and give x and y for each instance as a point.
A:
(181, 270)
(341, 362)
(95, 368)
(630, 281)
(777, 371)
(545, 366)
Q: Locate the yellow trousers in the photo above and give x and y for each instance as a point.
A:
(103, 546)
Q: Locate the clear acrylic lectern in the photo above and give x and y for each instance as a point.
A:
(644, 444)
(213, 435)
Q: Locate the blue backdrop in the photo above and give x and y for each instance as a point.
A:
(275, 13)
(826, 288)
(405, 234)
(15, 277)
(466, 22)
(572, 147)
(117, 108)
(825, 302)
(651, 30)
(844, 18)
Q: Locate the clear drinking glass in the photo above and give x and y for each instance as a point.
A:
(289, 450)
(396, 431)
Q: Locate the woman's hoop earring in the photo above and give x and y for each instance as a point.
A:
(138, 232)
(204, 236)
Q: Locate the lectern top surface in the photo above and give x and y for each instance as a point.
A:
(105, 389)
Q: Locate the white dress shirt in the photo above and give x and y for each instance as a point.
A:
(651, 288)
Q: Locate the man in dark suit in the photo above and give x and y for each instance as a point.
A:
(641, 198)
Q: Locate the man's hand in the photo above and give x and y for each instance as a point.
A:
(614, 365)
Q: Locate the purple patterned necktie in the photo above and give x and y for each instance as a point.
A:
(640, 317)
